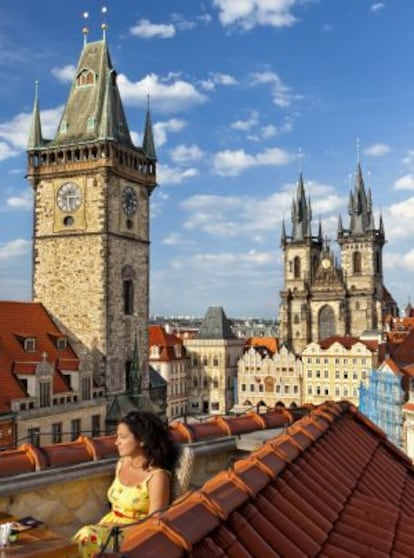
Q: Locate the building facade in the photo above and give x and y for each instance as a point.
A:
(269, 378)
(213, 353)
(322, 296)
(335, 367)
(47, 393)
(91, 222)
(167, 355)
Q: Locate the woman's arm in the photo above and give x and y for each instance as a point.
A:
(159, 489)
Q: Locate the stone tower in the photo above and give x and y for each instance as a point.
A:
(91, 222)
(322, 297)
(361, 255)
(301, 255)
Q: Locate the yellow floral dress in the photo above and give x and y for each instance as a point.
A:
(129, 504)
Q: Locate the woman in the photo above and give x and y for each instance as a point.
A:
(142, 481)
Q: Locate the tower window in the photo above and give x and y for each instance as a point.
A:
(91, 123)
(296, 267)
(356, 262)
(377, 262)
(128, 296)
(86, 77)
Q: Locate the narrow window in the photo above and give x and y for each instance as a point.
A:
(128, 296)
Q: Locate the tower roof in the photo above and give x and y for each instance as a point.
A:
(148, 142)
(35, 133)
(215, 325)
(94, 108)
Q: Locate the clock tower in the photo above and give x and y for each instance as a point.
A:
(91, 222)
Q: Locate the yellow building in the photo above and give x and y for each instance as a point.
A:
(270, 378)
(214, 353)
(335, 367)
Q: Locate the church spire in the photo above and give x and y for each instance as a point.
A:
(301, 213)
(360, 206)
(148, 142)
(35, 134)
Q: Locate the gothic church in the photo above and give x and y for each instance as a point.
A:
(322, 297)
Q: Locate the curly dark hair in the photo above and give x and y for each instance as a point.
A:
(159, 447)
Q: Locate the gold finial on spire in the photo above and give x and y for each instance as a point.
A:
(104, 25)
(85, 30)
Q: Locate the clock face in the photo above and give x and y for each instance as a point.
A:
(69, 197)
(326, 263)
(129, 200)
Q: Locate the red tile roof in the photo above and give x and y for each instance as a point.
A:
(333, 486)
(166, 343)
(19, 320)
(347, 342)
(271, 343)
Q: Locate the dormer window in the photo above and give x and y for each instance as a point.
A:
(86, 77)
(61, 343)
(154, 351)
(29, 344)
(91, 123)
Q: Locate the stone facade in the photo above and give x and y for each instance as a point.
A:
(213, 365)
(91, 225)
(321, 296)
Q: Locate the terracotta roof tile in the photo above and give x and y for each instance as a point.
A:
(19, 320)
(333, 486)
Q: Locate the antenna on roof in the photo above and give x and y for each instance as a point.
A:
(85, 29)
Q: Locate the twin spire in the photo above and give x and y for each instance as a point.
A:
(359, 208)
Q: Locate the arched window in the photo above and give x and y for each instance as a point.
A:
(86, 77)
(296, 267)
(356, 262)
(215, 382)
(377, 262)
(326, 322)
(128, 296)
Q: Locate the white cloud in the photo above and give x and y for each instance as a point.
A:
(282, 94)
(377, 150)
(170, 175)
(377, 7)
(268, 131)
(24, 201)
(405, 182)
(147, 30)
(64, 74)
(169, 94)
(14, 249)
(401, 216)
(216, 78)
(186, 153)
(246, 125)
(176, 239)
(15, 132)
(246, 14)
(255, 218)
(232, 163)
(162, 129)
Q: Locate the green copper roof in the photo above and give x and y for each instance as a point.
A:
(94, 108)
(35, 134)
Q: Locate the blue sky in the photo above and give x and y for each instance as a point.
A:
(237, 88)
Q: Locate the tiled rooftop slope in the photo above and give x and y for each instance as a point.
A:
(332, 486)
(28, 458)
